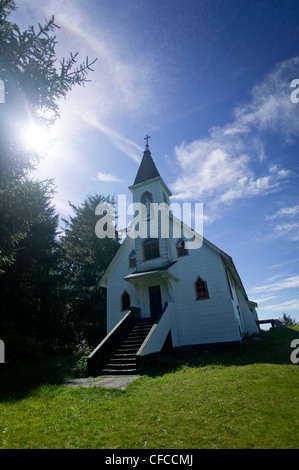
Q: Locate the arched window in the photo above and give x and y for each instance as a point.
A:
(201, 289)
(181, 248)
(125, 301)
(146, 200)
(151, 248)
(132, 259)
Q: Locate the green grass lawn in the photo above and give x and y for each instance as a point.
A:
(244, 398)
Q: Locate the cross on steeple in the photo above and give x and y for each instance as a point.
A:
(146, 138)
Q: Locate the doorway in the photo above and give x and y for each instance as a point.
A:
(155, 301)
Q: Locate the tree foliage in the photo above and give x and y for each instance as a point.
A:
(287, 320)
(33, 83)
(30, 287)
(85, 259)
(48, 286)
(33, 87)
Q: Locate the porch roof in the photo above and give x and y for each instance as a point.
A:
(161, 271)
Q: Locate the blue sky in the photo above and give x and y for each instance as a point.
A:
(209, 81)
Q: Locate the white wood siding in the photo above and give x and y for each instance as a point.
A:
(207, 320)
(236, 304)
(247, 316)
(116, 286)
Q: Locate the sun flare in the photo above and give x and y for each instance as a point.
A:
(36, 138)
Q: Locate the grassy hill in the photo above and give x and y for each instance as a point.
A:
(242, 398)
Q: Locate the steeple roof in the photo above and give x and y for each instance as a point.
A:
(147, 169)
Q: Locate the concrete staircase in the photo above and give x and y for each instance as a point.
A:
(122, 360)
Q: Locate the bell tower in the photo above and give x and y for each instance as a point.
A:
(150, 190)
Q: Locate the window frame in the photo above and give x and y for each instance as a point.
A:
(185, 250)
(205, 290)
(147, 196)
(132, 260)
(127, 305)
(149, 242)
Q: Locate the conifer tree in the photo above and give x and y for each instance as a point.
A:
(33, 86)
(85, 259)
(34, 81)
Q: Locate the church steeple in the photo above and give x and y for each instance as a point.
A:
(150, 190)
(147, 169)
(148, 176)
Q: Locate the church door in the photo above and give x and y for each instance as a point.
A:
(155, 300)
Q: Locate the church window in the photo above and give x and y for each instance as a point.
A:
(132, 259)
(201, 289)
(181, 248)
(125, 301)
(151, 248)
(146, 200)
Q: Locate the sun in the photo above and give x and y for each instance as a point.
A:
(36, 138)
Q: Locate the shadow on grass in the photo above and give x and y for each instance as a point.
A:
(273, 347)
(18, 381)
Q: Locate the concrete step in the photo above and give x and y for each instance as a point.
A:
(119, 367)
(123, 358)
(133, 334)
(119, 372)
(127, 348)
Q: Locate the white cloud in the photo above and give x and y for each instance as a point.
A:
(275, 277)
(283, 307)
(280, 265)
(219, 171)
(224, 166)
(264, 299)
(287, 283)
(288, 225)
(271, 108)
(126, 145)
(106, 177)
(285, 227)
(275, 266)
(285, 211)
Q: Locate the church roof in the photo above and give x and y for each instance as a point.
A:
(147, 169)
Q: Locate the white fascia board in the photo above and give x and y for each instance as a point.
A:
(152, 180)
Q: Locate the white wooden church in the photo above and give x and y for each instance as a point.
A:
(161, 293)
